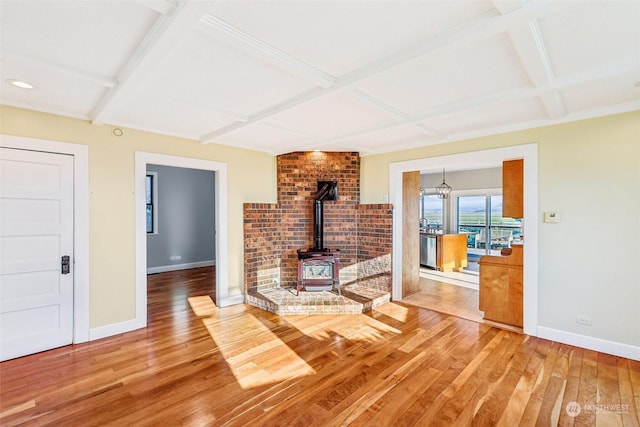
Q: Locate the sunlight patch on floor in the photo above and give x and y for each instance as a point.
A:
(323, 327)
(268, 359)
(394, 311)
(202, 305)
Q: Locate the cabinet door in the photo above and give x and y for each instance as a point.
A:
(501, 293)
(513, 188)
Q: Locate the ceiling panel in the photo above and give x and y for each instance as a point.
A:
(52, 92)
(152, 111)
(332, 116)
(488, 118)
(278, 76)
(95, 36)
(341, 36)
(264, 136)
(479, 67)
(211, 73)
(395, 138)
(591, 34)
(602, 93)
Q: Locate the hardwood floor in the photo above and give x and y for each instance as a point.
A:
(199, 365)
(446, 298)
(451, 299)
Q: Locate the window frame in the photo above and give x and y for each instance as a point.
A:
(487, 193)
(442, 226)
(154, 202)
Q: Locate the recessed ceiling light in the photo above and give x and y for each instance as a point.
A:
(20, 83)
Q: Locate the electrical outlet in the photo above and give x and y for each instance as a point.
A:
(175, 257)
(583, 320)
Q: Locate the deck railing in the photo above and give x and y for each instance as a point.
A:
(501, 235)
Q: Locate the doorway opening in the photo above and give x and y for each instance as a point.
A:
(469, 161)
(142, 161)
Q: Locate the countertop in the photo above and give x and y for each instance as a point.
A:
(435, 233)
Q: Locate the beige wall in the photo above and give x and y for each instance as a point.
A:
(251, 178)
(589, 171)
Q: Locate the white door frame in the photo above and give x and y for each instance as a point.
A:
(80, 155)
(478, 160)
(221, 239)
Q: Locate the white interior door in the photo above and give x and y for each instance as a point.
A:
(36, 231)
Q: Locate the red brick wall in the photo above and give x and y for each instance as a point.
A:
(262, 245)
(375, 232)
(274, 232)
(298, 176)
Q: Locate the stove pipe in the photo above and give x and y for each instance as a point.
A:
(327, 190)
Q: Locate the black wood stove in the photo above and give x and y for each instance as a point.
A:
(319, 267)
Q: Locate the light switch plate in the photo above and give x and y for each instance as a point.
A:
(552, 216)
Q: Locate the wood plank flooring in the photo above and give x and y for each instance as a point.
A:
(453, 300)
(446, 298)
(401, 365)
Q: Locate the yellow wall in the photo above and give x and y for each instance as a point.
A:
(251, 178)
(589, 171)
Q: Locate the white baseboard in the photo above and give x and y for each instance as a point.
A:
(230, 300)
(112, 329)
(591, 343)
(176, 267)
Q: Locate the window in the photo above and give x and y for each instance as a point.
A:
(480, 217)
(432, 212)
(152, 202)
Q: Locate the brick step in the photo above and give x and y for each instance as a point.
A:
(354, 300)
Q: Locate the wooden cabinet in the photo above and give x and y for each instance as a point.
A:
(451, 252)
(513, 188)
(501, 281)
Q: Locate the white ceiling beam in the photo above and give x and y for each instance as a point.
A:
(506, 96)
(394, 112)
(553, 102)
(161, 6)
(582, 115)
(506, 6)
(579, 115)
(285, 105)
(166, 33)
(19, 58)
(482, 27)
(221, 30)
(532, 54)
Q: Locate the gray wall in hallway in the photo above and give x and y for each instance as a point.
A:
(186, 217)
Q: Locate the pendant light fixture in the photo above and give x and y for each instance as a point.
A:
(443, 189)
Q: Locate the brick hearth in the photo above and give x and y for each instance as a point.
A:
(355, 299)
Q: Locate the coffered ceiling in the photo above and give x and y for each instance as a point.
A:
(282, 76)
